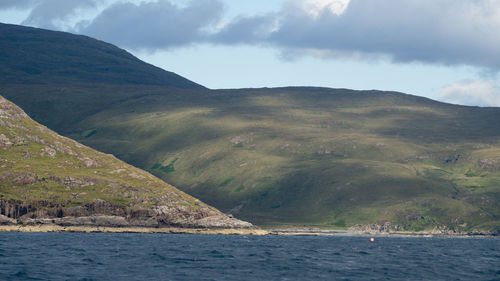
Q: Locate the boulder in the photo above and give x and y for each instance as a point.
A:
(5, 142)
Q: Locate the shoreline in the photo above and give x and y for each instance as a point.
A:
(305, 232)
(234, 231)
(148, 230)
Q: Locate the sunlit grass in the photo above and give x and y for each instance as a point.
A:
(329, 158)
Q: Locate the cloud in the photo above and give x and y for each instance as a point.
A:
(440, 32)
(246, 30)
(315, 7)
(445, 32)
(52, 14)
(468, 92)
(155, 25)
(16, 4)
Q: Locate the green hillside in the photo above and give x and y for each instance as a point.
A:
(49, 179)
(324, 157)
(332, 158)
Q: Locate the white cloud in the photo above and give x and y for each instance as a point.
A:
(316, 7)
(468, 92)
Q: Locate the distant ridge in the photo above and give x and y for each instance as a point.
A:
(48, 57)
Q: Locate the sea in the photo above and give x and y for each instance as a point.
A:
(106, 256)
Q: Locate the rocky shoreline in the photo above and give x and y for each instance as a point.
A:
(232, 231)
(100, 213)
(429, 234)
(150, 230)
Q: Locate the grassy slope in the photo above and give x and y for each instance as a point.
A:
(312, 156)
(297, 156)
(72, 174)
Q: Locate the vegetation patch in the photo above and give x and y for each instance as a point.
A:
(340, 223)
(165, 169)
(91, 133)
(226, 182)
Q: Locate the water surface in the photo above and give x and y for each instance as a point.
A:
(103, 256)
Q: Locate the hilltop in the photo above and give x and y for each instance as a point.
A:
(50, 179)
(293, 156)
(62, 58)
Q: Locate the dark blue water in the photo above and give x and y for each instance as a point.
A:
(100, 256)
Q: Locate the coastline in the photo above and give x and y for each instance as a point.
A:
(234, 231)
(149, 230)
(423, 234)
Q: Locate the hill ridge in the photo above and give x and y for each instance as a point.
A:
(66, 58)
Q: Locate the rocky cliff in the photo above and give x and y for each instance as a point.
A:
(49, 179)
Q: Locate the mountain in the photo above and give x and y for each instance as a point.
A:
(62, 58)
(50, 179)
(294, 156)
(80, 71)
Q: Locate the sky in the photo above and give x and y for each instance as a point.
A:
(447, 50)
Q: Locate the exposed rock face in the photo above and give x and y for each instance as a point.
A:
(49, 152)
(19, 141)
(6, 220)
(70, 181)
(489, 164)
(219, 221)
(83, 187)
(102, 213)
(5, 142)
(90, 163)
(237, 140)
(386, 227)
(63, 148)
(10, 111)
(23, 179)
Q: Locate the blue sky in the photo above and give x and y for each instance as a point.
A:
(442, 49)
